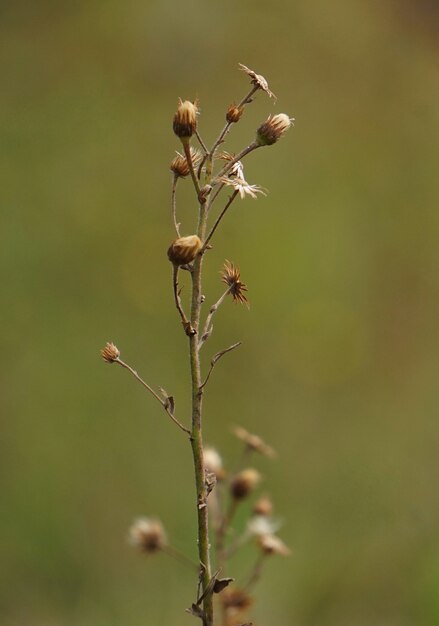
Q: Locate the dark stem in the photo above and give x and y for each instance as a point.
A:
(174, 207)
(218, 220)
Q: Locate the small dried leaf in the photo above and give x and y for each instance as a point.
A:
(196, 611)
(169, 402)
(221, 583)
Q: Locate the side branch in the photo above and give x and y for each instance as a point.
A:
(215, 360)
(165, 404)
(246, 100)
(218, 220)
(207, 330)
(235, 159)
(174, 206)
(186, 323)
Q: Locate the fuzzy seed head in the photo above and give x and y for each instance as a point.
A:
(183, 250)
(185, 119)
(270, 544)
(147, 534)
(244, 483)
(234, 114)
(110, 353)
(254, 442)
(213, 463)
(273, 128)
(263, 507)
(179, 165)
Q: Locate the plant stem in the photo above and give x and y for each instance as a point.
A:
(187, 152)
(218, 220)
(173, 203)
(235, 159)
(196, 435)
(226, 128)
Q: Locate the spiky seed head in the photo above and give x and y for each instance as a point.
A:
(183, 250)
(257, 80)
(213, 462)
(147, 534)
(179, 165)
(185, 119)
(234, 113)
(273, 128)
(263, 507)
(244, 483)
(231, 276)
(270, 544)
(110, 353)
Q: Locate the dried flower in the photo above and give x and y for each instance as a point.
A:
(270, 544)
(234, 113)
(257, 80)
(237, 168)
(232, 277)
(180, 166)
(263, 507)
(259, 525)
(147, 534)
(241, 185)
(244, 483)
(273, 128)
(236, 599)
(213, 462)
(254, 442)
(185, 119)
(110, 353)
(184, 249)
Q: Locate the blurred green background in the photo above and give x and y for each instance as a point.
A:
(338, 368)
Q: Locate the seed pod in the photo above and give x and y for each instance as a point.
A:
(272, 129)
(184, 249)
(234, 113)
(185, 119)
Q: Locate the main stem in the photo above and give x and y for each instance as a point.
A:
(196, 434)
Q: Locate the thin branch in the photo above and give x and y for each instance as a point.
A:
(187, 152)
(256, 571)
(216, 193)
(247, 99)
(173, 204)
(152, 392)
(208, 324)
(184, 320)
(201, 142)
(218, 220)
(179, 556)
(216, 358)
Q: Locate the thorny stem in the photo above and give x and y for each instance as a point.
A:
(208, 324)
(174, 207)
(226, 128)
(196, 435)
(218, 220)
(152, 392)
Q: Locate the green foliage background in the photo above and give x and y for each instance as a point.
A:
(338, 368)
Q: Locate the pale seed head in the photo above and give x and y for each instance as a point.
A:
(244, 483)
(213, 462)
(257, 80)
(273, 128)
(110, 353)
(185, 119)
(270, 544)
(179, 165)
(147, 534)
(183, 250)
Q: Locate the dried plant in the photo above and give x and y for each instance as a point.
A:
(219, 493)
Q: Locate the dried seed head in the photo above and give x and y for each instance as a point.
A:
(234, 113)
(179, 165)
(213, 463)
(185, 119)
(110, 353)
(232, 277)
(147, 534)
(263, 507)
(259, 525)
(244, 483)
(184, 249)
(257, 80)
(270, 544)
(236, 599)
(254, 442)
(273, 128)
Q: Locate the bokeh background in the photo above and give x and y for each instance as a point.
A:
(339, 363)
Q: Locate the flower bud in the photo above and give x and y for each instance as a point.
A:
(185, 119)
(184, 249)
(110, 353)
(244, 483)
(272, 129)
(147, 534)
(234, 113)
(263, 506)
